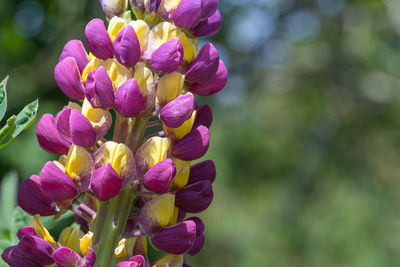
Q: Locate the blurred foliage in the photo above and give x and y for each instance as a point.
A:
(305, 136)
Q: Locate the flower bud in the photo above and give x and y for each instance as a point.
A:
(193, 146)
(49, 138)
(157, 214)
(188, 13)
(128, 99)
(177, 239)
(69, 79)
(105, 182)
(27, 230)
(76, 128)
(70, 237)
(126, 264)
(176, 134)
(32, 200)
(56, 185)
(121, 159)
(204, 67)
(209, 7)
(127, 47)
(99, 89)
(120, 250)
(15, 257)
(203, 116)
(200, 238)
(208, 27)
(97, 39)
(150, 153)
(66, 257)
(139, 259)
(215, 85)
(38, 249)
(168, 57)
(195, 198)
(202, 171)
(79, 167)
(169, 87)
(113, 8)
(176, 112)
(159, 176)
(75, 49)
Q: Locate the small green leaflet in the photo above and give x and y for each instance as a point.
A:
(26, 117)
(3, 98)
(6, 133)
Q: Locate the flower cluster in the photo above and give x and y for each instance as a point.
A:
(133, 185)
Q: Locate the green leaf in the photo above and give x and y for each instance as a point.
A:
(8, 198)
(3, 98)
(26, 117)
(6, 133)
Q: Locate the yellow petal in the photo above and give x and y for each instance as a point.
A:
(41, 230)
(169, 87)
(79, 164)
(181, 131)
(100, 119)
(145, 80)
(142, 31)
(85, 243)
(70, 237)
(182, 174)
(118, 73)
(170, 261)
(160, 211)
(151, 152)
(120, 250)
(94, 63)
(115, 25)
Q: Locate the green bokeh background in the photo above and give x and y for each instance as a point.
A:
(306, 136)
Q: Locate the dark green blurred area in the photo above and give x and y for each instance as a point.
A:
(305, 136)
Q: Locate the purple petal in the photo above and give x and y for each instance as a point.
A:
(176, 239)
(168, 57)
(208, 27)
(98, 40)
(32, 200)
(82, 131)
(105, 182)
(177, 111)
(63, 125)
(66, 257)
(203, 116)
(202, 171)
(75, 49)
(27, 230)
(199, 224)
(17, 258)
(215, 85)
(152, 6)
(56, 185)
(99, 89)
(196, 197)
(209, 8)
(90, 258)
(193, 145)
(48, 136)
(128, 99)
(188, 13)
(139, 259)
(204, 67)
(37, 248)
(69, 79)
(159, 176)
(127, 264)
(127, 47)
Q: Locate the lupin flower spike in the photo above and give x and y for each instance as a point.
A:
(135, 184)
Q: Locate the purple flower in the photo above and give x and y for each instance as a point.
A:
(69, 79)
(128, 99)
(159, 176)
(98, 40)
(168, 57)
(204, 67)
(49, 138)
(195, 198)
(178, 110)
(208, 27)
(202, 171)
(99, 89)
(127, 47)
(188, 13)
(75, 49)
(203, 116)
(193, 146)
(105, 182)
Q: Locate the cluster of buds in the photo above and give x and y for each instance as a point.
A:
(136, 185)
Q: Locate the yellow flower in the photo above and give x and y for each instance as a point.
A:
(85, 243)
